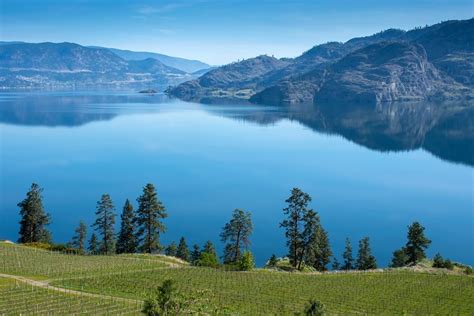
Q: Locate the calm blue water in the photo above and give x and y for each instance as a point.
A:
(370, 171)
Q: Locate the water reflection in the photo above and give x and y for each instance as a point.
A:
(444, 129)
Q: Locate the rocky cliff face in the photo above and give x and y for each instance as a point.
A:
(394, 65)
(384, 72)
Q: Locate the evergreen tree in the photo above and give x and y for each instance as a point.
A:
(34, 219)
(335, 264)
(399, 258)
(365, 259)
(171, 249)
(195, 254)
(209, 248)
(347, 255)
(319, 252)
(183, 251)
(272, 262)
(149, 215)
(79, 239)
(295, 212)
(438, 261)
(246, 261)
(236, 233)
(104, 224)
(93, 245)
(417, 243)
(127, 240)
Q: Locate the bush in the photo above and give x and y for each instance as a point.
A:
(207, 260)
(272, 262)
(246, 263)
(468, 270)
(314, 308)
(439, 262)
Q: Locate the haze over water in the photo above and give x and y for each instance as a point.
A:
(207, 160)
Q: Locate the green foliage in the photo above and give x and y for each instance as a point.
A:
(296, 214)
(400, 258)
(207, 259)
(314, 308)
(34, 219)
(439, 262)
(149, 220)
(335, 264)
(79, 239)
(104, 224)
(417, 243)
(171, 249)
(127, 240)
(347, 256)
(272, 262)
(195, 254)
(183, 251)
(468, 270)
(209, 248)
(246, 262)
(318, 253)
(236, 234)
(93, 245)
(365, 259)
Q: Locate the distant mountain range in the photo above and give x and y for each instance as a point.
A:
(434, 62)
(28, 65)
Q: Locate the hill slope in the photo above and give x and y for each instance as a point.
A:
(68, 64)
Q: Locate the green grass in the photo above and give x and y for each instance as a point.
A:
(263, 292)
(260, 292)
(17, 298)
(41, 264)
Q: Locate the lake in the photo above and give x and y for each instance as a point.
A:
(371, 170)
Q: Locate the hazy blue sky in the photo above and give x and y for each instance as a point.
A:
(216, 31)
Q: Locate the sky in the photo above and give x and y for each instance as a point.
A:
(216, 31)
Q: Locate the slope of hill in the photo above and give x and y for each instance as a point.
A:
(186, 65)
(35, 281)
(24, 65)
(430, 62)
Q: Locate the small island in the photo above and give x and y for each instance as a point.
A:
(148, 91)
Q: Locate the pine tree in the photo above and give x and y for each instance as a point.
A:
(104, 224)
(171, 249)
(127, 240)
(149, 215)
(295, 212)
(33, 218)
(195, 254)
(237, 235)
(79, 239)
(365, 259)
(417, 243)
(347, 255)
(399, 258)
(209, 248)
(335, 264)
(272, 262)
(319, 252)
(246, 261)
(183, 251)
(93, 245)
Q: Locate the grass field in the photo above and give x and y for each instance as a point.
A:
(260, 292)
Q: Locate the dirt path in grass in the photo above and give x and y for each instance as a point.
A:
(46, 285)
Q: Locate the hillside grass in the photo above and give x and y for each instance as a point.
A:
(17, 298)
(259, 292)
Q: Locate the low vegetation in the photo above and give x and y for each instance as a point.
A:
(125, 272)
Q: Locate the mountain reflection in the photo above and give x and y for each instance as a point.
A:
(444, 129)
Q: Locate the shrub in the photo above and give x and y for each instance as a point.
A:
(272, 262)
(246, 262)
(314, 308)
(208, 260)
